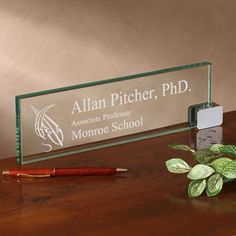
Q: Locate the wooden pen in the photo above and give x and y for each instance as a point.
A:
(51, 172)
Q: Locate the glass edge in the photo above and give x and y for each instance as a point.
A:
(210, 84)
(117, 79)
(18, 131)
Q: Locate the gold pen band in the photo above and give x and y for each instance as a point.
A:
(5, 172)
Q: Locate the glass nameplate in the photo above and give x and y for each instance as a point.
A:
(86, 117)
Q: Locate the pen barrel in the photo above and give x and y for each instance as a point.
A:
(83, 171)
(47, 172)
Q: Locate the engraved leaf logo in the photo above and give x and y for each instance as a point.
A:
(47, 128)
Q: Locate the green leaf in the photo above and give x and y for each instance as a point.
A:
(228, 149)
(216, 148)
(181, 147)
(203, 157)
(229, 171)
(214, 185)
(220, 163)
(200, 172)
(196, 187)
(177, 165)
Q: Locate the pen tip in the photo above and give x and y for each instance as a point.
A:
(121, 170)
(5, 172)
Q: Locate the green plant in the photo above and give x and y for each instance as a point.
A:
(215, 167)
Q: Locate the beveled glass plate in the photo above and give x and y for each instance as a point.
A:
(85, 117)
